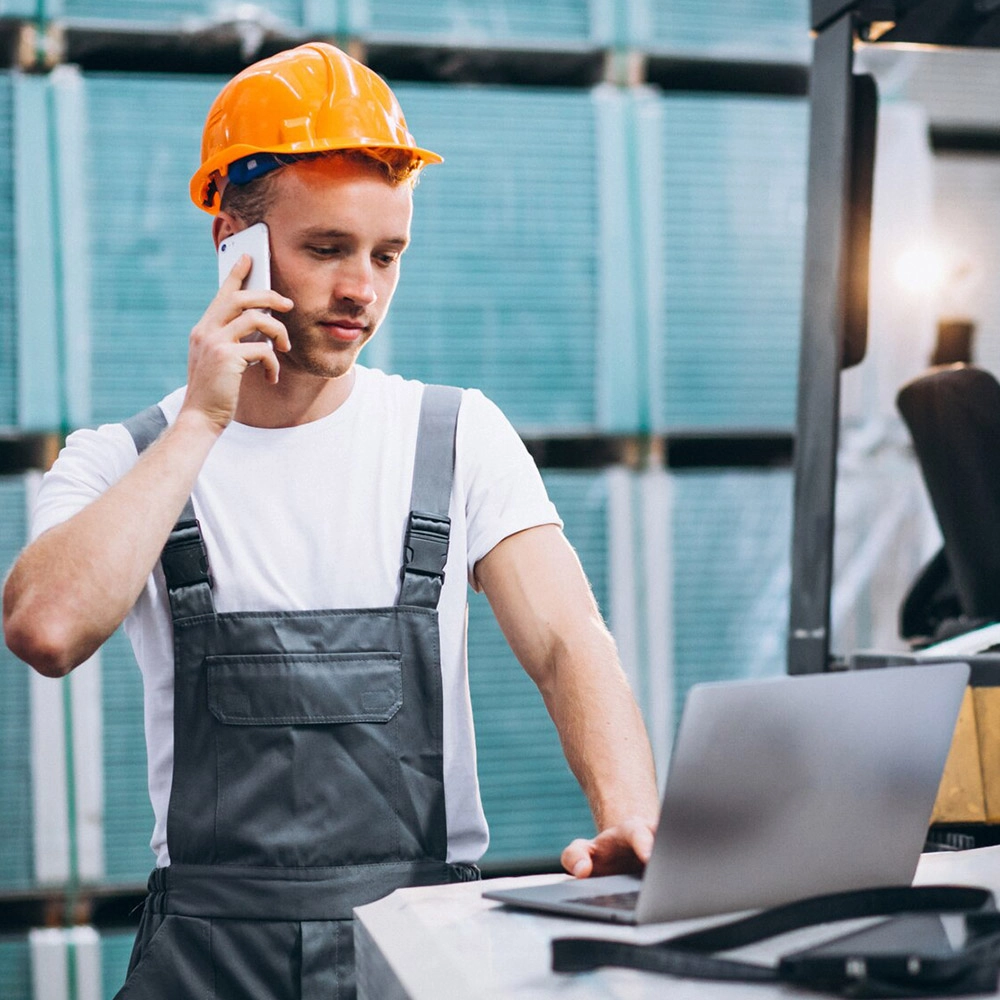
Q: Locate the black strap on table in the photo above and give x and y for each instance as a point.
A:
(691, 955)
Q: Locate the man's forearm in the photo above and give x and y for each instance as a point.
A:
(73, 586)
(601, 729)
(541, 598)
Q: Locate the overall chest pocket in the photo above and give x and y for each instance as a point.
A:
(267, 689)
(307, 754)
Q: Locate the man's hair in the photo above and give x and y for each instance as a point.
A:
(251, 202)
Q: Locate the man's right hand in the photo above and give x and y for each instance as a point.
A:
(218, 356)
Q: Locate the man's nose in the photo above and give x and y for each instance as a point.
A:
(355, 281)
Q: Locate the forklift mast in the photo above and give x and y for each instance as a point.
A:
(843, 112)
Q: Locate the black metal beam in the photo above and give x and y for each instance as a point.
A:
(965, 23)
(728, 450)
(946, 139)
(761, 448)
(825, 313)
(727, 76)
(825, 12)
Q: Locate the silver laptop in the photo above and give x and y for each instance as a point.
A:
(784, 788)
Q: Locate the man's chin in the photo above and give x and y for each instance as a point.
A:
(328, 364)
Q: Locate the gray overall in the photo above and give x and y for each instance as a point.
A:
(307, 774)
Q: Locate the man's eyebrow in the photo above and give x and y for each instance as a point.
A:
(321, 233)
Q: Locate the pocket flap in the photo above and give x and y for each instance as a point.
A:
(272, 689)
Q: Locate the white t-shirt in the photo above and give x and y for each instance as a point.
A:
(312, 517)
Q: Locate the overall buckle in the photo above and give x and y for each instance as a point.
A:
(426, 544)
(184, 559)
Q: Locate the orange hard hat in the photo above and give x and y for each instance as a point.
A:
(304, 100)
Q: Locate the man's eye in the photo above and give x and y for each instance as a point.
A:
(385, 259)
(324, 251)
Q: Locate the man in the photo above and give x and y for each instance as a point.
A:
(307, 710)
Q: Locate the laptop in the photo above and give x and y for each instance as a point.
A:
(780, 789)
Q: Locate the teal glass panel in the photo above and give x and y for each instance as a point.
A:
(151, 255)
(15, 965)
(128, 816)
(532, 801)
(116, 949)
(499, 288)
(175, 12)
(16, 852)
(731, 532)
(8, 271)
(478, 21)
(15, 968)
(733, 182)
(748, 29)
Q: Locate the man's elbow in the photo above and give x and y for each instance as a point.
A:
(44, 646)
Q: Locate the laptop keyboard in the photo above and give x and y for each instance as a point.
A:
(612, 901)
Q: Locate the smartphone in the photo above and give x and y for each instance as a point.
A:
(253, 241)
(908, 949)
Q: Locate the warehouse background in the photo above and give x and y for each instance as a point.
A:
(612, 252)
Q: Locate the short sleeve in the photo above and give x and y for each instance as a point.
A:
(504, 492)
(91, 461)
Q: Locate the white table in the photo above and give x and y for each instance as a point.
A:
(448, 943)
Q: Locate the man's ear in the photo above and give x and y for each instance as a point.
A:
(224, 225)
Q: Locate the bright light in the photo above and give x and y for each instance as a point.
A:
(923, 269)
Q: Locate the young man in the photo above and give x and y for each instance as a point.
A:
(287, 540)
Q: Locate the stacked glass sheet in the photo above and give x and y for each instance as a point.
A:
(500, 286)
(732, 235)
(77, 964)
(729, 29)
(8, 267)
(116, 949)
(173, 14)
(152, 260)
(15, 969)
(16, 852)
(731, 531)
(757, 29)
(477, 21)
(128, 816)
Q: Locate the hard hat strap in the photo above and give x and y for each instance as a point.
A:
(249, 168)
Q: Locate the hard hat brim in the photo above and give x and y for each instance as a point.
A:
(219, 164)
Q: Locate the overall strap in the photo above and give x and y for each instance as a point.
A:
(146, 426)
(425, 548)
(184, 559)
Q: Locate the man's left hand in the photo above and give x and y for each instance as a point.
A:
(620, 849)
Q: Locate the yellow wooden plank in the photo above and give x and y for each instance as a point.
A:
(987, 704)
(961, 796)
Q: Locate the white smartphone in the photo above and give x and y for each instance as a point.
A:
(253, 241)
